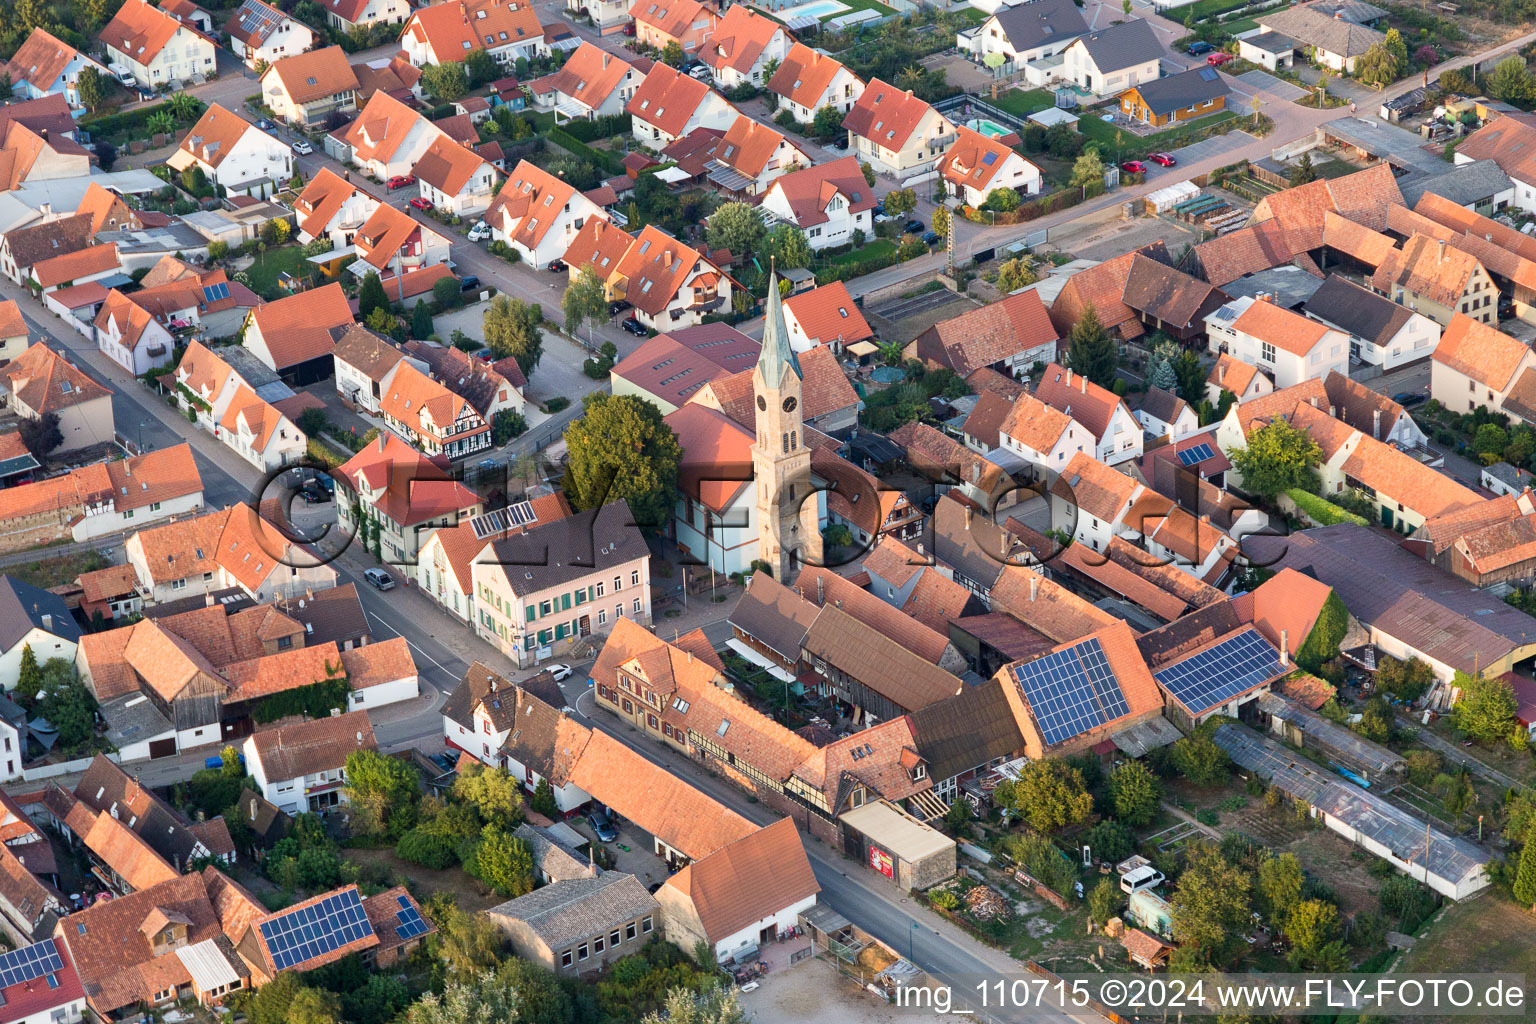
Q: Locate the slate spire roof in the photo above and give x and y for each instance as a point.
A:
(776, 354)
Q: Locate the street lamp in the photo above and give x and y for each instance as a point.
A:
(910, 933)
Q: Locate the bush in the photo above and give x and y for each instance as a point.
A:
(430, 850)
(1322, 511)
(599, 128)
(565, 140)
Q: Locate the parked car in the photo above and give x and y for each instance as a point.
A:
(303, 148)
(379, 579)
(313, 494)
(700, 73)
(556, 267)
(1219, 58)
(265, 124)
(480, 232)
(559, 672)
(402, 181)
(1163, 159)
(468, 283)
(931, 238)
(1134, 167)
(1198, 48)
(617, 307)
(635, 327)
(914, 227)
(602, 826)
(629, 28)
(881, 216)
(1408, 398)
(421, 204)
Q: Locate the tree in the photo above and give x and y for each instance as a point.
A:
(1090, 349)
(387, 788)
(480, 67)
(1135, 793)
(1406, 679)
(160, 123)
(827, 124)
(1280, 883)
(1489, 443)
(493, 793)
(1161, 376)
(1396, 47)
(1200, 760)
(585, 302)
(1210, 906)
(1088, 170)
(30, 679)
(371, 296)
(511, 328)
(467, 943)
(1003, 200)
(1427, 56)
(1110, 841)
(1511, 80)
(900, 202)
(1190, 374)
(91, 87)
(672, 54)
(737, 227)
(1524, 887)
(1015, 274)
(543, 800)
(622, 449)
(1049, 794)
(314, 1006)
(270, 1003)
(1103, 900)
(67, 704)
(42, 435)
(1312, 926)
(789, 247)
(446, 82)
(474, 999)
(1303, 172)
(421, 320)
(505, 862)
(713, 1006)
(941, 222)
(1486, 710)
(868, 172)
(1277, 458)
(1377, 66)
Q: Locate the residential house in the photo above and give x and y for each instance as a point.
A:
(687, 23)
(525, 603)
(591, 83)
(28, 999)
(32, 617)
(1475, 365)
(867, 507)
(233, 409)
(897, 133)
(808, 80)
(668, 105)
(292, 336)
(750, 156)
(394, 75)
(112, 593)
(155, 46)
(47, 66)
(1025, 33)
(38, 144)
(1160, 102)
(504, 725)
(40, 382)
(345, 15)
(105, 789)
(1105, 415)
(1485, 544)
(1331, 40)
(455, 180)
(262, 34)
(1009, 336)
(1381, 332)
(491, 388)
(429, 415)
(332, 207)
(538, 214)
(393, 244)
(1288, 347)
(825, 316)
(24, 247)
(1506, 141)
(444, 563)
(131, 336)
(1163, 414)
(1242, 379)
(579, 926)
(608, 16)
(93, 263)
(235, 154)
(108, 211)
(398, 495)
(742, 44)
(447, 31)
(1103, 287)
(365, 363)
(311, 89)
(334, 615)
(1110, 60)
(233, 547)
(189, 13)
(1438, 280)
(669, 284)
(869, 765)
(1093, 503)
(968, 734)
(187, 297)
(746, 893)
(829, 202)
(977, 164)
(301, 767)
(385, 139)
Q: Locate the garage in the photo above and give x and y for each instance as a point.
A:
(162, 748)
(887, 839)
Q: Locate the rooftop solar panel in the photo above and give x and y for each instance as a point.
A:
(1197, 453)
(308, 932)
(19, 966)
(411, 924)
(1072, 691)
(1214, 676)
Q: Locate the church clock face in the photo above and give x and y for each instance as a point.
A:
(762, 404)
(790, 403)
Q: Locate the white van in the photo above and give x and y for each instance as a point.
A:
(123, 72)
(1145, 877)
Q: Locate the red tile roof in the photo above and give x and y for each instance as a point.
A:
(1077, 396)
(828, 314)
(1483, 353)
(804, 75)
(886, 115)
(297, 328)
(739, 39)
(666, 99)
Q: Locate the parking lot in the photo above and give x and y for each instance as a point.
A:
(1216, 145)
(1270, 84)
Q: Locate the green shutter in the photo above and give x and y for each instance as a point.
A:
(560, 631)
(530, 612)
(565, 602)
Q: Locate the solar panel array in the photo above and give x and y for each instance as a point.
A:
(1072, 691)
(1213, 676)
(215, 292)
(411, 924)
(23, 965)
(503, 519)
(257, 20)
(308, 932)
(1197, 453)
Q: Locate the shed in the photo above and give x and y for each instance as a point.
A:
(1145, 949)
(898, 846)
(1169, 196)
(1050, 117)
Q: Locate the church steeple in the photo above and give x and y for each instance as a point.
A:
(776, 353)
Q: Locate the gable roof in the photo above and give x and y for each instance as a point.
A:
(458, 27)
(673, 17)
(600, 244)
(804, 75)
(1359, 311)
(314, 75)
(381, 127)
(1123, 45)
(139, 31)
(45, 382)
(33, 244)
(1288, 331)
(448, 166)
(215, 135)
(1154, 289)
(40, 60)
(1363, 197)
(1306, 24)
(589, 75)
(1032, 25)
(886, 115)
(973, 728)
(828, 314)
(1249, 250)
(322, 198)
(310, 747)
(810, 189)
(1077, 396)
(1187, 89)
(974, 159)
(1427, 267)
(1510, 142)
(296, 328)
(748, 880)
(254, 22)
(532, 200)
(666, 99)
(739, 39)
(656, 265)
(901, 676)
(1103, 287)
(57, 270)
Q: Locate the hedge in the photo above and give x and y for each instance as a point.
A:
(1321, 511)
(128, 121)
(566, 141)
(599, 127)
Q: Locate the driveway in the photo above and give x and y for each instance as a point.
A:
(1205, 149)
(1263, 80)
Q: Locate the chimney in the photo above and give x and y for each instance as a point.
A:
(1285, 647)
(1376, 424)
(606, 58)
(839, 604)
(1442, 249)
(690, 656)
(47, 621)
(968, 513)
(1084, 382)
(591, 864)
(1206, 518)
(1034, 586)
(1221, 373)
(44, 133)
(1069, 376)
(821, 589)
(1332, 411)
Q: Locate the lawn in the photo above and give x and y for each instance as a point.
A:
(871, 250)
(1023, 102)
(1122, 141)
(58, 570)
(860, 5)
(263, 273)
(471, 894)
(971, 16)
(1474, 936)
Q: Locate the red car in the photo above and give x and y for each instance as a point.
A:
(1218, 58)
(1134, 167)
(1163, 159)
(420, 204)
(401, 181)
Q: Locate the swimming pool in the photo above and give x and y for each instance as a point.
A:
(990, 129)
(819, 9)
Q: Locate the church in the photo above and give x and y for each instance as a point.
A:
(748, 490)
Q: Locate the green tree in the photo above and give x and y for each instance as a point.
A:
(685, 1006)
(1280, 884)
(388, 787)
(371, 296)
(493, 793)
(1190, 375)
(511, 328)
(941, 223)
(91, 87)
(1003, 200)
(1396, 47)
(1406, 679)
(1090, 349)
(68, 705)
(1015, 274)
(160, 123)
(1200, 760)
(901, 202)
(466, 943)
(1088, 170)
(1524, 887)
(1210, 906)
(1277, 458)
(1489, 443)
(447, 82)
(828, 124)
(421, 320)
(314, 1006)
(184, 106)
(445, 293)
(1049, 794)
(506, 863)
(543, 800)
(269, 1005)
(1486, 710)
(1511, 80)
(472, 999)
(1311, 926)
(737, 227)
(1161, 376)
(672, 54)
(30, 678)
(1377, 66)
(1110, 840)
(480, 67)
(868, 172)
(1303, 172)
(789, 247)
(621, 448)
(585, 302)
(1134, 792)
(1103, 901)
(42, 435)
(217, 250)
